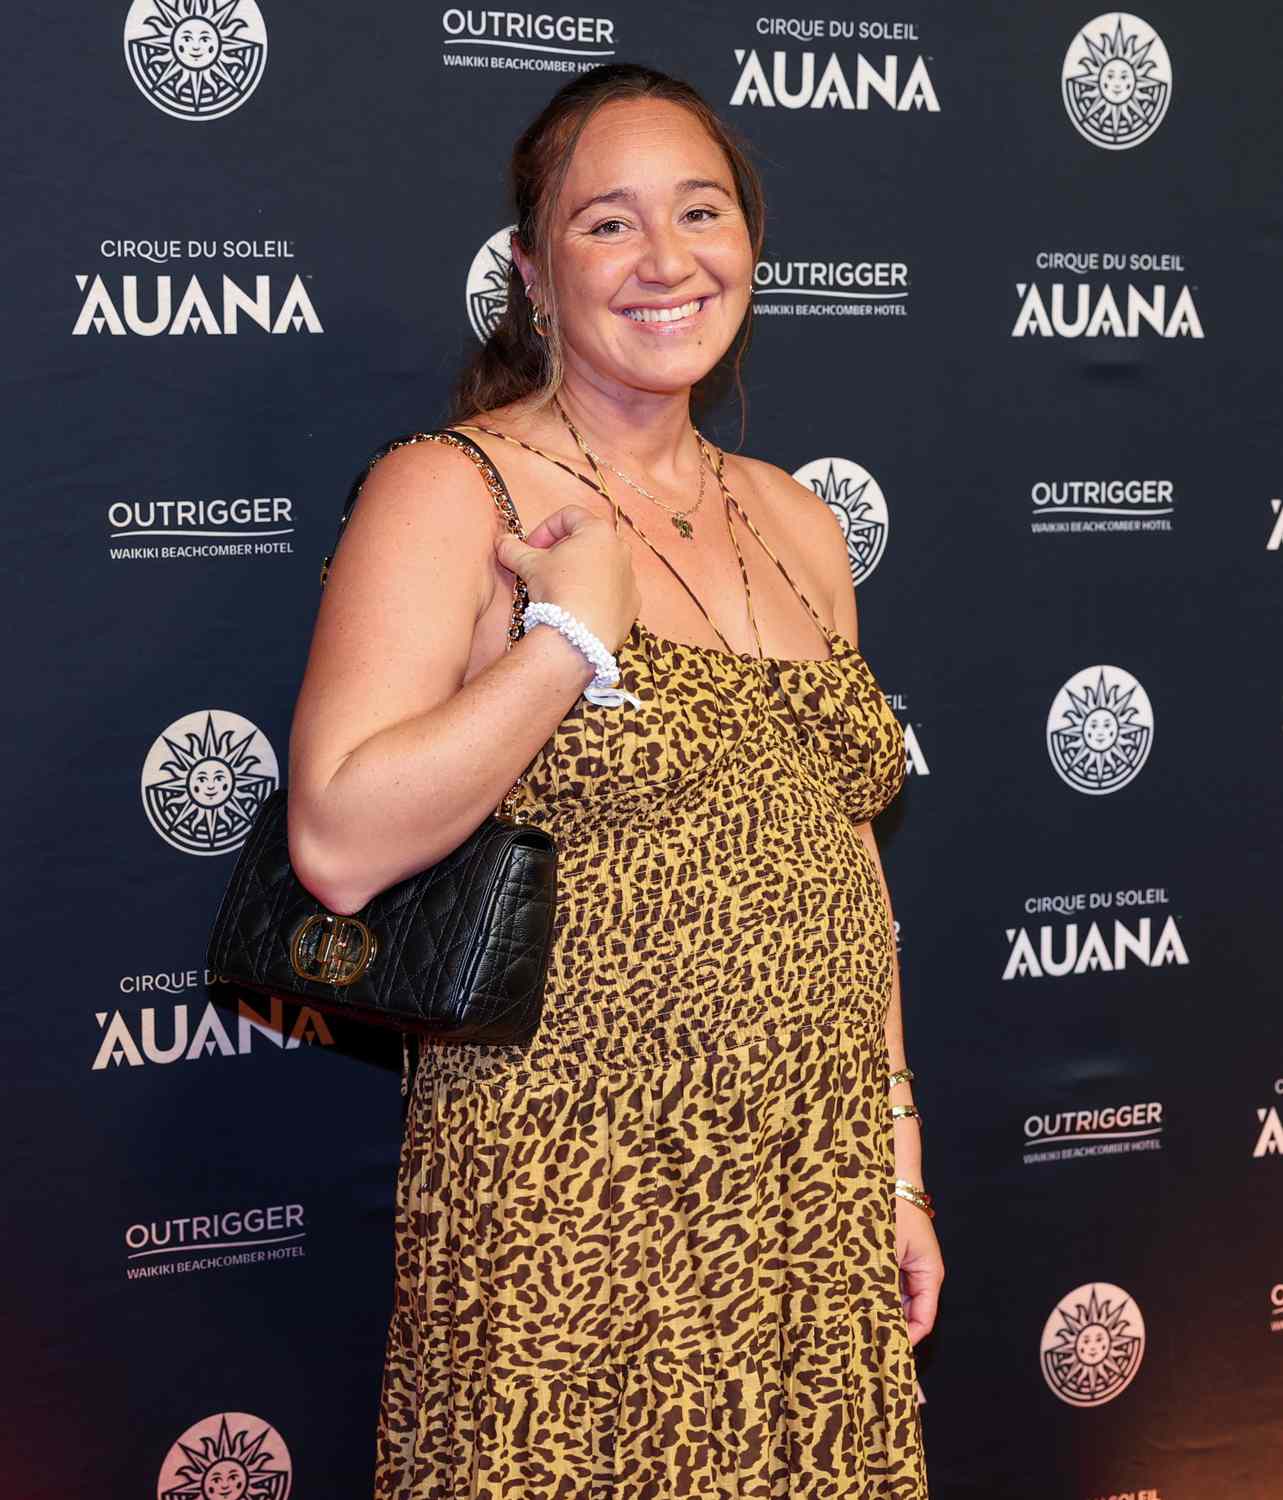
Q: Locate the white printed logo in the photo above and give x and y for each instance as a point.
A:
(1117, 81)
(196, 59)
(915, 760)
(242, 527)
(205, 777)
(229, 1456)
(829, 88)
(1100, 729)
(1270, 1141)
(174, 1038)
(1100, 505)
(194, 310)
(487, 289)
(1097, 314)
(854, 497)
(1116, 1130)
(591, 39)
(1092, 1344)
(160, 1248)
(1275, 539)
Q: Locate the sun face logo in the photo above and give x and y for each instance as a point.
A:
(1092, 1344)
(196, 59)
(1100, 729)
(487, 289)
(1117, 81)
(229, 1456)
(854, 497)
(204, 779)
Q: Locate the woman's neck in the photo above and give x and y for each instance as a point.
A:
(644, 429)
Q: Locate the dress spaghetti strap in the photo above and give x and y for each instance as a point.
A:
(717, 464)
(788, 577)
(601, 489)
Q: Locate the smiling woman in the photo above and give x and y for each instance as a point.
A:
(564, 194)
(676, 1245)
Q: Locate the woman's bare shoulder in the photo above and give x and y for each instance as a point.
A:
(792, 514)
(781, 496)
(537, 486)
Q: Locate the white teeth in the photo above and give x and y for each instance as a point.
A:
(663, 314)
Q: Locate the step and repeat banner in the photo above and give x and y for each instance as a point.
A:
(1017, 321)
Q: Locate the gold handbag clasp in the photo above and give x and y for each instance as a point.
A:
(332, 949)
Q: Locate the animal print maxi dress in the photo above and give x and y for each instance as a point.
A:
(650, 1254)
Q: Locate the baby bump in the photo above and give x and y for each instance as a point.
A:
(694, 942)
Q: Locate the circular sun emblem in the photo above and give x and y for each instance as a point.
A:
(1100, 729)
(487, 290)
(229, 1456)
(196, 59)
(1092, 1344)
(204, 779)
(1117, 81)
(853, 495)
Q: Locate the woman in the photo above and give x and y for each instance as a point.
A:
(658, 1251)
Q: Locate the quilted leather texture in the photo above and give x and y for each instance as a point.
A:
(463, 947)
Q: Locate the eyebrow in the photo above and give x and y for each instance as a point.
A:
(628, 195)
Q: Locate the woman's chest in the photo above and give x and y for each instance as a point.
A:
(708, 723)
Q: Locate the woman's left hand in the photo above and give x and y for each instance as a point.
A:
(917, 1252)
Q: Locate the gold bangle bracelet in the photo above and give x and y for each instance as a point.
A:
(901, 1075)
(906, 1112)
(919, 1197)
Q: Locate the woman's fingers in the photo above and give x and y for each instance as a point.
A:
(921, 1269)
(921, 1286)
(559, 525)
(574, 558)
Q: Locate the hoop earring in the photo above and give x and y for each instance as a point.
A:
(537, 321)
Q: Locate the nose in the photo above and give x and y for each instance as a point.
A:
(666, 258)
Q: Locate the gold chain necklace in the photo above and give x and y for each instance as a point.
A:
(677, 517)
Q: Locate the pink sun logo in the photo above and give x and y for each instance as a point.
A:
(229, 1456)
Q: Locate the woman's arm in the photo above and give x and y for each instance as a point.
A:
(917, 1249)
(393, 760)
(908, 1132)
(830, 554)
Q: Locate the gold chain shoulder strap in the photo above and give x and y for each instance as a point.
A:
(551, 457)
(502, 499)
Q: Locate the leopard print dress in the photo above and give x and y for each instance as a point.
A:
(650, 1254)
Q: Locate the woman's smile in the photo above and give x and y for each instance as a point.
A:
(665, 319)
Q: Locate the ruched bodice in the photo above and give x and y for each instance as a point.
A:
(831, 714)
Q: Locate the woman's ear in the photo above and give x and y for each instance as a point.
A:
(521, 260)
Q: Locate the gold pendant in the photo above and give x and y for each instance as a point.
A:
(683, 525)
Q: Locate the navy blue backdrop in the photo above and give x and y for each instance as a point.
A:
(1018, 319)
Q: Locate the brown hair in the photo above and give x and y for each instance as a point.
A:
(515, 362)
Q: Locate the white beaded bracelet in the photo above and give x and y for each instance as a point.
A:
(601, 690)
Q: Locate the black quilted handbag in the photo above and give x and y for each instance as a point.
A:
(458, 952)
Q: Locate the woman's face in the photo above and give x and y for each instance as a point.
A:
(648, 221)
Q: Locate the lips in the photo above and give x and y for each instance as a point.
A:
(661, 316)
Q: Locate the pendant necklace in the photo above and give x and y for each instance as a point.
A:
(677, 517)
